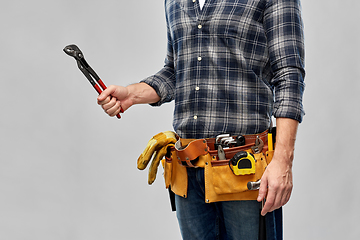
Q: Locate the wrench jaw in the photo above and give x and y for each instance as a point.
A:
(259, 144)
(72, 50)
(75, 52)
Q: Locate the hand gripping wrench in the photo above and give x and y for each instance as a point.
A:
(74, 51)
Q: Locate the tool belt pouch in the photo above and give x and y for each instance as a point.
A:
(175, 175)
(221, 184)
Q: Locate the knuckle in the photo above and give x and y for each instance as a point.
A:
(270, 202)
(274, 187)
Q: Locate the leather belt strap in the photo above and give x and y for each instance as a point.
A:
(191, 151)
(188, 150)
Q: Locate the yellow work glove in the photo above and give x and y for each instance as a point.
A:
(159, 155)
(157, 146)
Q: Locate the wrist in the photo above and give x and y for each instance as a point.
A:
(142, 93)
(285, 139)
(284, 155)
(130, 94)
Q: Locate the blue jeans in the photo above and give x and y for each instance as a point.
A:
(233, 220)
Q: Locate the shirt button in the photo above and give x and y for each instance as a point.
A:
(194, 1)
(195, 117)
(199, 59)
(197, 88)
(199, 26)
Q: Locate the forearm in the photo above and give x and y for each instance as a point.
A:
(286, 130)
(117, 98)
(276, 182)
(142, 93)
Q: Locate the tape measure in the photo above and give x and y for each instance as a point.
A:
(243, 163)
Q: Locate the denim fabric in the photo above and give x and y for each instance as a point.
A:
(233, 220)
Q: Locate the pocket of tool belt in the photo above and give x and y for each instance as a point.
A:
(226, 182)
(167, 164)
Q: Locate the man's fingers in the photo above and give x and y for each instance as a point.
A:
(286, 198)
(276, 197)
(108, 103)
(116, 109)
(112, 107)
(263, 193)
(269, 203)
(262, 189)
(106, 93)
(103, 96)
(103, 102)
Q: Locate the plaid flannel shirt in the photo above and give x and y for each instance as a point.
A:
(232, 65)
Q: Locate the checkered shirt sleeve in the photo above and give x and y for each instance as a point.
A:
(232, 65)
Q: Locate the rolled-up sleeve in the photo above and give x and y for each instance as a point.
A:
(284, 32)
(163, 81)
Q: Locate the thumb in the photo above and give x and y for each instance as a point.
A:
(262, 189)
(106, 93)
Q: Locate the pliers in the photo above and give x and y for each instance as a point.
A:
(74, 51)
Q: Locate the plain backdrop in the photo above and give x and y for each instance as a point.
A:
(68, 171)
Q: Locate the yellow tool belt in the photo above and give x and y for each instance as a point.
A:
(221, 184)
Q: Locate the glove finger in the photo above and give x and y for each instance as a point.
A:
(150, 149)
(166, 138)
(155, 163)
(158, 141)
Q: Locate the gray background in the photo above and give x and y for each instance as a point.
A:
(68, 171)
